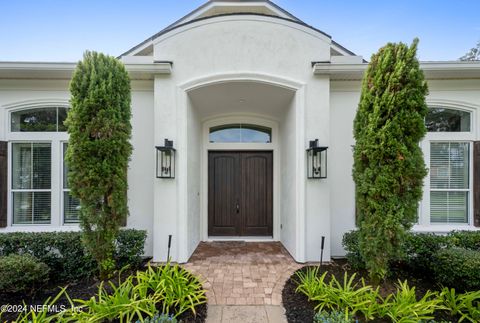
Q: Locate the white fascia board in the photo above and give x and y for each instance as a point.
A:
(432, 70)
(59, 70)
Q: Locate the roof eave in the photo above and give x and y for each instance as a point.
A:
(64, 70)
(432, 70)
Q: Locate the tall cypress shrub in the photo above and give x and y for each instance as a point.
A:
(99, 150)
(388, 165)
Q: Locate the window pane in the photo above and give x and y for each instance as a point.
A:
(71, 207)
(62, 116)
(22, 207)
(31, 207)
(253, 133)
(41, 207)
(448, 207)
(65, 167)
(449, 165)
(22, 166)
(240, 133)
(39, 119)
(225, 133)
(42, 162)
(447, 120)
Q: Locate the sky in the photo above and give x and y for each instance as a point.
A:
(54, 30)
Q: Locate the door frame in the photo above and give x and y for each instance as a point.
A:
(208, 146)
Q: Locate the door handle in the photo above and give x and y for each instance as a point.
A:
(237, 208)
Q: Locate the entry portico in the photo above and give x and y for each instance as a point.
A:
(241, 88)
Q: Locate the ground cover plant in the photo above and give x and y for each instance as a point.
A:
(166, 293)
(336, 293)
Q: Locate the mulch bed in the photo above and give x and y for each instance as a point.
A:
(299, 310)
(83, 289)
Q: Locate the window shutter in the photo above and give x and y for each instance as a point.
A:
(476, 183)
(3, 183)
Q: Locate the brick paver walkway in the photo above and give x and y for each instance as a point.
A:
(242, 273)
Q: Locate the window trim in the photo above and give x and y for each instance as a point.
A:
(56, 140)
(424, 223)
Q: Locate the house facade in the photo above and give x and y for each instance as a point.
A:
(241, 88)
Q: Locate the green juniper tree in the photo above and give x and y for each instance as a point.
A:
(388, 165)
(99, 150)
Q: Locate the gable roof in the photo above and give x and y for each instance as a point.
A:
(216, 8)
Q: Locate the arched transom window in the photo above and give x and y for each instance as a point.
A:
(240, 132)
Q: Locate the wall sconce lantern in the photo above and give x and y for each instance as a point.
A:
(166, 160)
(316, 160)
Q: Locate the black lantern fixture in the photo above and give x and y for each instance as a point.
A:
(316, 160)
(166, 160)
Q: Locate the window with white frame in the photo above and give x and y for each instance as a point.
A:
(31, 183)
(447, 148)
(39, 192)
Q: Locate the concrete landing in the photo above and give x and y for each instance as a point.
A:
(246, 314)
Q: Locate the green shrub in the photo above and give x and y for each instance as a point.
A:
(420, 249)
(130, 247)
(22, 273)
(332, 317)
(64, 253)
(458, 267)
(466, 239)
(350, 243)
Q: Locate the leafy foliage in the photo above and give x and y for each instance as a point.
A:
(388, 162)
(466, 305)
(43, 316)
(342, 301)
(458, 267)
(171, 288)
(65, 255)
(22, 273)
(403, 306)
(348, 296)
(99, 150)
(473, 54)
(177, 288)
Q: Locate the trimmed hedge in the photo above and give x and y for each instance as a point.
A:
(428, 253)
(65, 255)
(22, 273)
(458, 267)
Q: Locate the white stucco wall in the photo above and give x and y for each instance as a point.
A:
(140, 175)
(239, 47)
(343, 104)
(317, 209)
(288, 207)
(194, 135)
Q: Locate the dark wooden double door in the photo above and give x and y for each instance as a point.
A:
(240, 193)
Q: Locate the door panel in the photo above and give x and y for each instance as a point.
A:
(256, 193)
(240, 193)
(223, 194)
